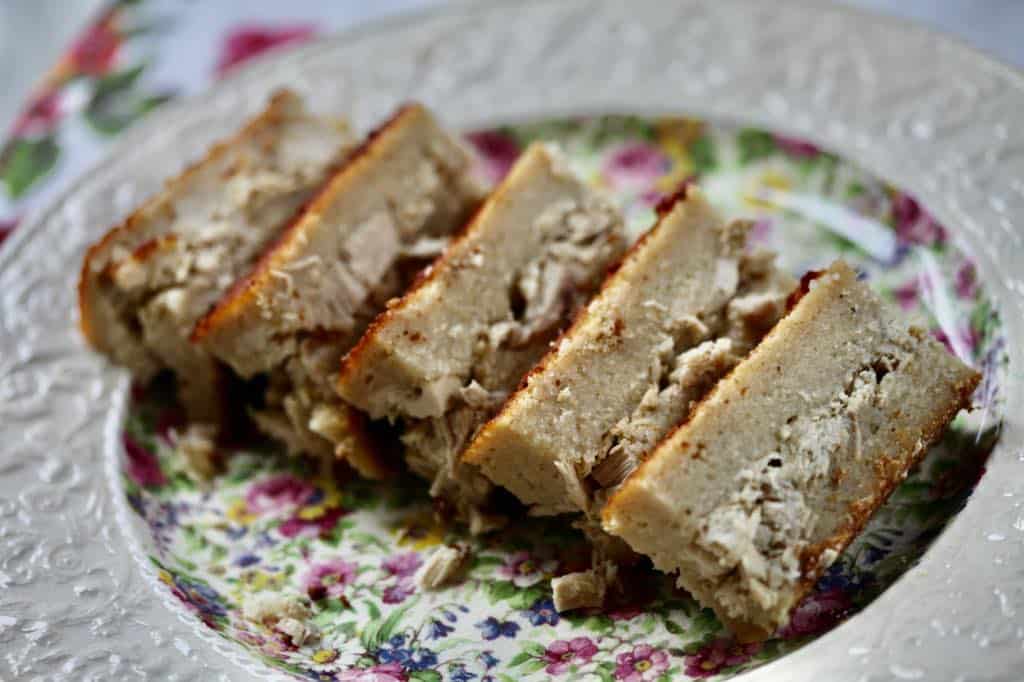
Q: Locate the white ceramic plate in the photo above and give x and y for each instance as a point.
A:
(84, 520)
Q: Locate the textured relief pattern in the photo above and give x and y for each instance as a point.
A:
(928, 115)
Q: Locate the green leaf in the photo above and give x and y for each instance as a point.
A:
(605, 674)
(525, 598)
(425, 676)
(116, 101)
(378, 631)
(706, 621)
(674, 627)
(520, 658)
(599, 624)
(754, 144)
(704, 155)
(372, 608)
(502, 677)
(499, 590)
(533, 666)
(534, 649)
(25, 161)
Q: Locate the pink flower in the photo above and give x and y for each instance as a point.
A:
(523, 570)
(282, 492)
(913, 224)
(329, 578)
(817, 613)
(907, 293)
(625, 613)
(40, 117)
(718, 655)
(387, 672)
(245, 42)
(6, 227)
(402, 565)
(312, 527)
(143, 466)
(399, 592)
(797, 148)
(642, 663)
(966, 280)
(560, 654)
(497, 152)
(963, 345)
(635, 166)
(95, 50)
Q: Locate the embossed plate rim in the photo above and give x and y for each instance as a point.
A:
(907, 632)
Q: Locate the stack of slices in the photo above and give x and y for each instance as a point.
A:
(687, 402)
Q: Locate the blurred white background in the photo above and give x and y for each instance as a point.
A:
(34, 32)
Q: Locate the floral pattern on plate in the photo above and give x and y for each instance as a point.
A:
(345, 551)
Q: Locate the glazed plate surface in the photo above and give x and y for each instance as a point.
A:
(116, 563)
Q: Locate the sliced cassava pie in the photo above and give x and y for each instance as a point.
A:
(785, 460)
(442, 359)
(144, 285)
(686, 304)
(377, 221)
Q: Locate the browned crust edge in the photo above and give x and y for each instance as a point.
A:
(474, 453)
(244, 289)
(425, 276)
(271, 114)
(791, 302)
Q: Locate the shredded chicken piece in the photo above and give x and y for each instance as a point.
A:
(444, 566)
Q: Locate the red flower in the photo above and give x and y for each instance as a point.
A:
(561, 654)
(143, 467)
(320, 525)
(818, 613)
(6, 227)
(914, 225)
(497, 152)
(720, 654)
(40, 117)
(247, 41)
(330, 577)
(95, 50)
(796, 147)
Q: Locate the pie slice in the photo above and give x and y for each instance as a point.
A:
(144, 285)
(783, 463)
(442, 359)
(684, 307)
(377, 221)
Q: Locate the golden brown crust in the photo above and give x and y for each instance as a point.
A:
(425, 276)
(794, 298)
(243, 292)
(892, 471)
(270, 115)
(474, 455)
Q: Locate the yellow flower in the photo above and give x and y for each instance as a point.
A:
(323, 656)
(675, 135)
(165, 577)
(770, 179)
(238, 512)
(260, 580)
(420, 532)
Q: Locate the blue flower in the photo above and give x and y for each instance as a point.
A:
(488, 660)
(437, 629)
(449, 616)
(458, 673)
(247, 560)
(422, 659)
(394, 655)
(542, 612)
(203, 597)
(492, 629)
